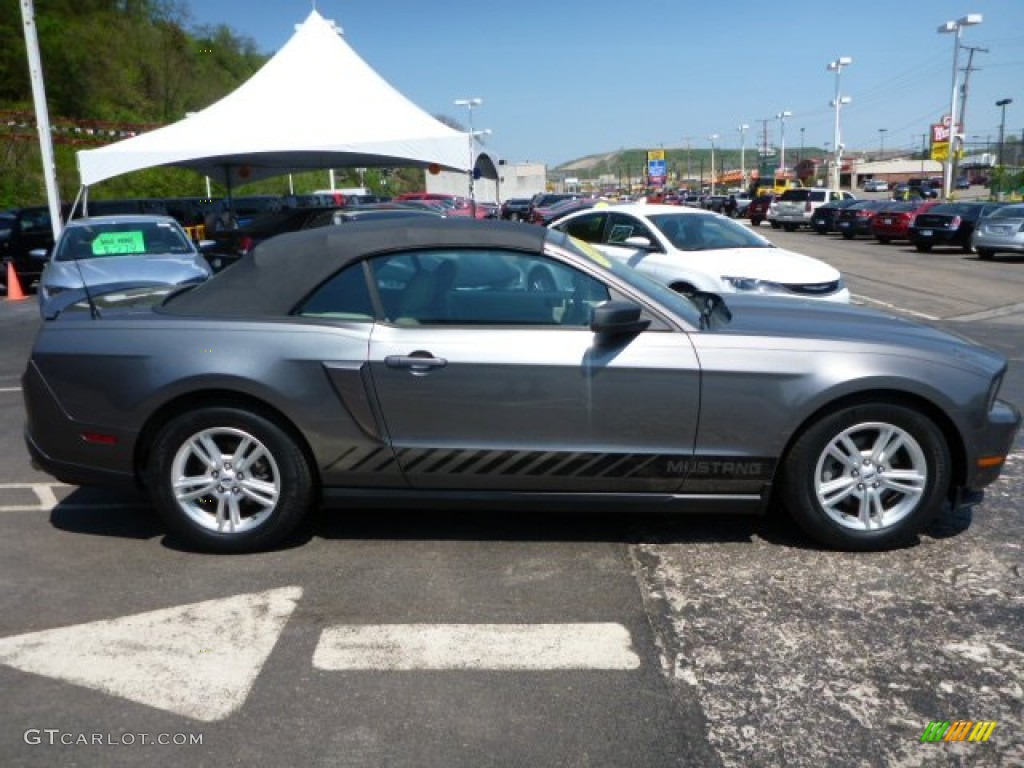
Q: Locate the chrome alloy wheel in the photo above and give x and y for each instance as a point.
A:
(225, 480)
(871, 476)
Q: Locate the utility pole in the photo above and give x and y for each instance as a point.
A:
(971, 49)
(764, 145)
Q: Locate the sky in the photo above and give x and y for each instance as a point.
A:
(567, 78)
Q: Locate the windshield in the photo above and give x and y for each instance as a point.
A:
(1008, 212)
(122, 238)
(705, 232)
(674, 302)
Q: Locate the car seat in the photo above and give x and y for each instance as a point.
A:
(423, 300)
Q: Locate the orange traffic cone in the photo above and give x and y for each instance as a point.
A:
(14, 292)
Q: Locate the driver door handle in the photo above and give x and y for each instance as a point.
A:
(417, 363)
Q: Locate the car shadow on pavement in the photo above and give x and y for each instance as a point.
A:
(535, 525)
(102, 512)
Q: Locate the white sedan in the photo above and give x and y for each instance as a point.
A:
(690, 250)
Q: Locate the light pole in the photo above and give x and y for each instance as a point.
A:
(954, 28)
(743, 157)
(837, 162)
(1002, 130)
(800, 157)
(712, 138)
(469, 104)
(881, 142)
(781, 117)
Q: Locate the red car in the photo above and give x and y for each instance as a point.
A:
(757, 211)
(892, 222)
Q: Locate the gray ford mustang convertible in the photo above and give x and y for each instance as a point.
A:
(490, 364)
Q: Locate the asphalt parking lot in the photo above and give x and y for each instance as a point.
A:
(583, 640)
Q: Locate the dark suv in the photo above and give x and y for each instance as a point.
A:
(24, 230)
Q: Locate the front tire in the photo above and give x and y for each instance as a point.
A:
(867, 478)
(226, 479)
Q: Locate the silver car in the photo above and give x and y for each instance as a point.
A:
(490, 364)
(98, 252)
(1000, 231)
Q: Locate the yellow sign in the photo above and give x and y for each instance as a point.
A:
(940, 151)
(655, 154)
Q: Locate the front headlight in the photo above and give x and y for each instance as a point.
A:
(752, 285)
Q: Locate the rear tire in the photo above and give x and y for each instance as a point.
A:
(884, 240)
(847, 235)
(225, 479)
(922, 247)
(789, 227)
(985, 254)
(868, 477)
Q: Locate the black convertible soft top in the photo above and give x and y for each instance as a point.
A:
(281, 271)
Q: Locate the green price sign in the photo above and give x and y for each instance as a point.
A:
(116, 243)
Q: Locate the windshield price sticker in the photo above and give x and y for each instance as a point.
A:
(115, 243)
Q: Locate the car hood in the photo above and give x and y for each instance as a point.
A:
(889, 334)
(110, 269)
(773, 264)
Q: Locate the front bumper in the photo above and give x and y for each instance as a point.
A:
(994, 440)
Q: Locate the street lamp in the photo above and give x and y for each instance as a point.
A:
(1002, 126)
(954, 28)
(837, 103)
(469, 104)
(743, 158)
(1002, 130)
(712, 138)
(781, 117)
(800, 157)
(881, 142)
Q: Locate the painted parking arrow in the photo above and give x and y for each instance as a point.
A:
(198, 660)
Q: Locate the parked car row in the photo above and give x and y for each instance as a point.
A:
(984, 227)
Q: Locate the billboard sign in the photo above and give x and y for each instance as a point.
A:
(657, 168)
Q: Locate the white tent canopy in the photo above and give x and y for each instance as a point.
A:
(315, 104)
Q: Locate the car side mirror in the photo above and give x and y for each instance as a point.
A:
(639, 241)
(39, 254)
(618, 318)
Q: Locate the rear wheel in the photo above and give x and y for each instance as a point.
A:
(985, 254)
(776, 225)
(923, 247)
(848, 235)
(868, 477)
(789, 227)
(884, 240)
(229, 480)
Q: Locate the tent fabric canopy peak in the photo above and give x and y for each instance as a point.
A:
(314, 104)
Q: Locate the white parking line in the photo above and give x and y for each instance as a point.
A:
(890, 306)
(44, 492)
(393, 647)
